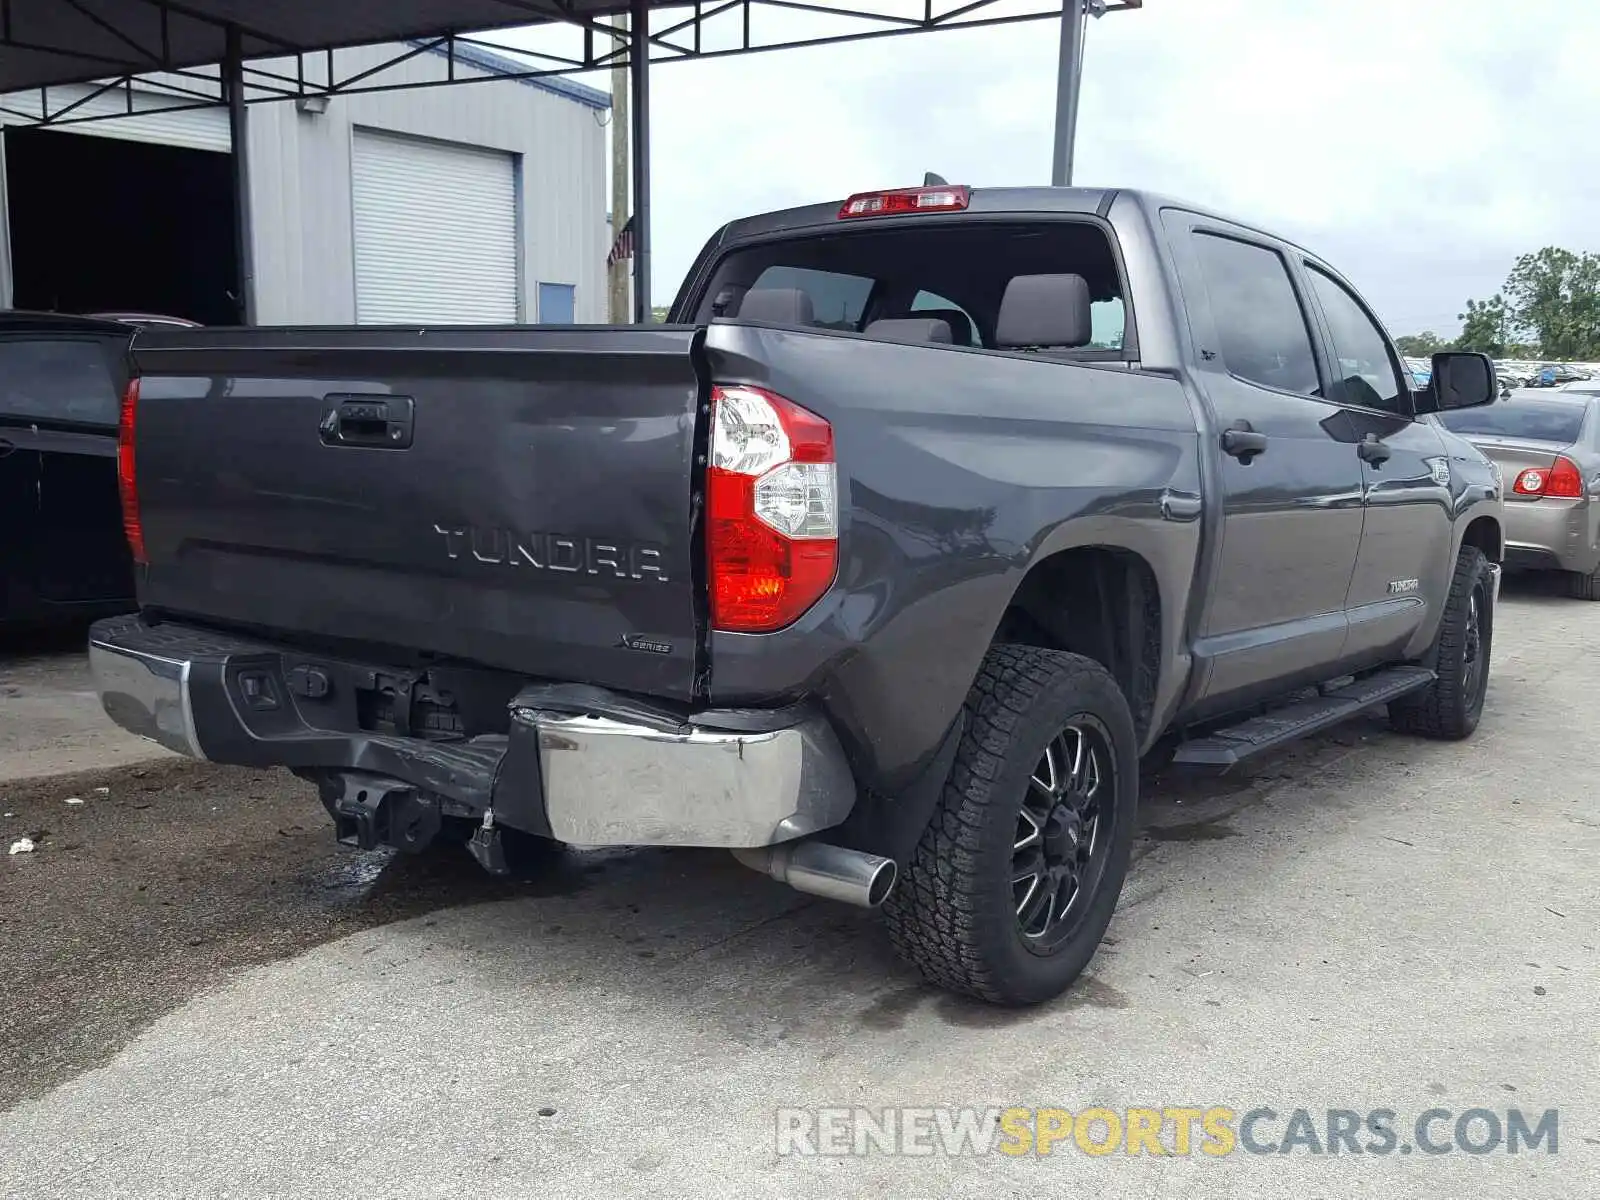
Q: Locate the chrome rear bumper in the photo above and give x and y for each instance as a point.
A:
(609, 782)
(578, 776)
(146, 694)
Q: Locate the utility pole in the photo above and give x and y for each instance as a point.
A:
(621, 308)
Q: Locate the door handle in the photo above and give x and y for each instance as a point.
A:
(1373, 451)
(376, 422)
(1243, 442)
(6, 447)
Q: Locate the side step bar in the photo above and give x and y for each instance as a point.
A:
(1235, 744)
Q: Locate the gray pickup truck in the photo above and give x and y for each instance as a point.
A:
(882, 565)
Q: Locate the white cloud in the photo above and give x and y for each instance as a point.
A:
(1418, 146)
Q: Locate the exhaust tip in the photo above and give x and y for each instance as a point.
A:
(821, 869)
(882, 883)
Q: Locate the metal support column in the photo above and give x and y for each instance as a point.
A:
(7, 280)
(239, 133)
(639, 65)
(1069, 78)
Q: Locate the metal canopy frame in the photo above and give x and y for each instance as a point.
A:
(700, 29)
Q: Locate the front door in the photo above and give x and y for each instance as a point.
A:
(1286, 469)
(1405, 558)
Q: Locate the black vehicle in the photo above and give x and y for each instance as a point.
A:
(63, 552)
(882, 565)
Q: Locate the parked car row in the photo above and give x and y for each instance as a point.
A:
(1541, 375)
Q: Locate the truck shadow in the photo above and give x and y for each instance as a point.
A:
(695, 932)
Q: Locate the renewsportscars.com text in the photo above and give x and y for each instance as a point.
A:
(1176, 1130)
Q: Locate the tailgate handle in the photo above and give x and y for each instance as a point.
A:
(375, 422)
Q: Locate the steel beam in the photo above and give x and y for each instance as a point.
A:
(239, 133)
(639, 67)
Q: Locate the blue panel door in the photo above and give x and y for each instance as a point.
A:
(557, 303)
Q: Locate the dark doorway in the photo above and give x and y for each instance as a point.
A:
(104, 225)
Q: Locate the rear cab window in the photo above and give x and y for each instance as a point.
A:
(57, 379)
(953, 270)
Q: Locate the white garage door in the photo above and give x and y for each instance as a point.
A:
(157, 116)
(435, 232)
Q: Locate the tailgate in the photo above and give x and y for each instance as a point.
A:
(523, 498)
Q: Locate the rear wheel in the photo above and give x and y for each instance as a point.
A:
(1015, 879)
(1450, 707)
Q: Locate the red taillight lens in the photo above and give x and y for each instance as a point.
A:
(772, 508)
(127, 481)
(1564, 480)
(1561, 480)
(939, 198)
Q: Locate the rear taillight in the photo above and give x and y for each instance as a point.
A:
(1564, 480)
(127, 481)
(1561, 480)
(772, 504)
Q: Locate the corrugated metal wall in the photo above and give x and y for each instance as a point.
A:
(301, 192)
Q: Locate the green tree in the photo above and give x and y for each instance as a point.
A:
(1420, 345)
(1485, 326)
(1554, 294)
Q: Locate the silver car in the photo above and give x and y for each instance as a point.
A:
(1548, 450)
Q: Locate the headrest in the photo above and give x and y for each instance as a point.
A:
(1045, 310)
(960, 324)
(910, 329)
(781, 306)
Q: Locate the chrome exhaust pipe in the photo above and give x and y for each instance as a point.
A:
(819, 869)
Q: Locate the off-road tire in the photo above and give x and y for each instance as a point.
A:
(953, 914)
(1584, 587)
(1449, 708)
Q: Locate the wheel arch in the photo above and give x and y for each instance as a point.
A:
(1486, 534)
(1103, 602)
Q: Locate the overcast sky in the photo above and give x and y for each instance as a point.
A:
(1418, 145)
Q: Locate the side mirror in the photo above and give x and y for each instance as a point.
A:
(1460, 380)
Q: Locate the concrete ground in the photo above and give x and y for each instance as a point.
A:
(50, 718)
(1363, 922)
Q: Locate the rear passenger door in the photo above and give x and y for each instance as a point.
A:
(1406, 542)
(1283, 462)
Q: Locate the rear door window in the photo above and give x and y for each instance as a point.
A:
(1263, 330)
(932, 302)
(837, 300)
(57, 379)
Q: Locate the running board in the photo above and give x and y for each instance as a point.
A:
(1283, 725)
